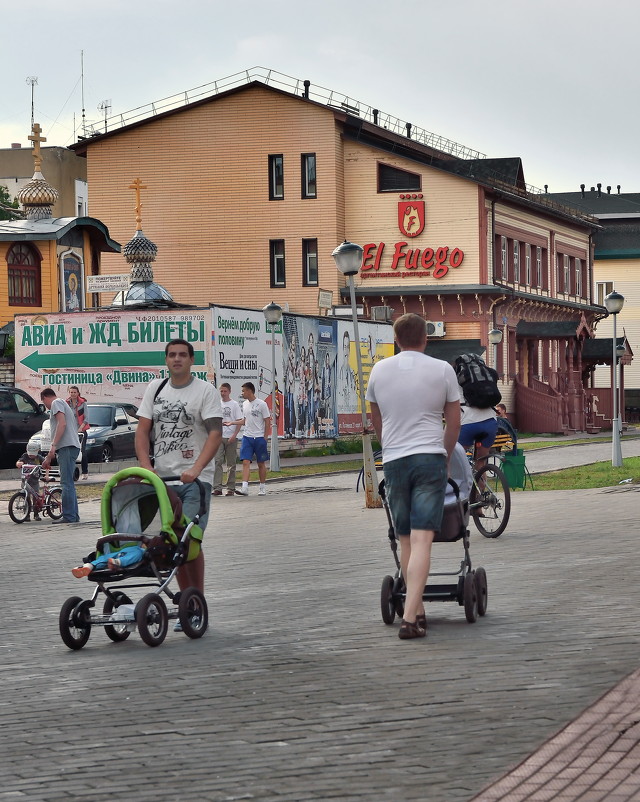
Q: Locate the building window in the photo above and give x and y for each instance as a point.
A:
(308, 171)
(538, 267)
(393, 179)
(527, 264)
(310, 262)
(516, 262)
(276, 177)
(603, 288)
(566, 274)
(276, 258)
(24, 276)
(503, 258)
(578, 271)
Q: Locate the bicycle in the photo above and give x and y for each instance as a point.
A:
(26, 500)
(490, 499)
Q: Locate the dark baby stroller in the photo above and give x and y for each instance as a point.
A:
(132, 500)
(467, 586)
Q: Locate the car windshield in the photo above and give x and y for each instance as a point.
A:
(99, 416)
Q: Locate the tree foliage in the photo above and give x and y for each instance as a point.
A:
(6, 204)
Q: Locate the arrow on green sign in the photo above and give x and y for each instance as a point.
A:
(102, 359)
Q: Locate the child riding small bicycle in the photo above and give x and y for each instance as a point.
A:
(32, 457)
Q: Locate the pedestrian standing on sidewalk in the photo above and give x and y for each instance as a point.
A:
(232, 421)
(66, 446)
(409, 395)
(78, 405)
(257, 428)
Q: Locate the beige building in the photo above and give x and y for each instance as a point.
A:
(64, 170)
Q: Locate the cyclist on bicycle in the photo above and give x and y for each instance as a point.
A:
(32, 457)
(479, 427)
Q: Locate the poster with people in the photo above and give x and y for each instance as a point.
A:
(72, 283)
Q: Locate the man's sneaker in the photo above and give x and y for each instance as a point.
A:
(177, 627)
(244, 491)
(262, 490)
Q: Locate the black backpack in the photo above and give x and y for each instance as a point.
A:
(478, 381)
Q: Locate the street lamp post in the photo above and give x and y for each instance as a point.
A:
(273, 315)
(348, 258)
(495, 338)
(614, 303)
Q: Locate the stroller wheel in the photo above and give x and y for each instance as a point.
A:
(117, 632)
(193, 613)
(470, 598)
(152, 619)
(482, 590)
(74, 623)
(387, 606)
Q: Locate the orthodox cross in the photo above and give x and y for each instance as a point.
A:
(138, 185)
(37, 139)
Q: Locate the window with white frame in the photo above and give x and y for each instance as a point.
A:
(516, 261)
(503, 257)
(527, 263)
(310, 262)
(578, 272)
(276, 177)
(539, 267)
(566, 264)
(308, 172)
(276, 259)
(603, 288)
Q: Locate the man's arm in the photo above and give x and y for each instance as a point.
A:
(61, 425)
(452, 425)
(267, 426)
(376, 419)
(143, 442)
(209, 450)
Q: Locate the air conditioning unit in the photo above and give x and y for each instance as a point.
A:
(382, 314)
(435, 328)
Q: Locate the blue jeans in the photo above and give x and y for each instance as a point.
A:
(189, 494)
(415, 490)
(67, 456)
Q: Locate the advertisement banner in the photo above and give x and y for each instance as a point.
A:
(109, 355)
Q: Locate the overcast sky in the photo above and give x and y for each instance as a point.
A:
(552, 81)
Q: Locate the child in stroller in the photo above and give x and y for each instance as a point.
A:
(131, 501)
(470, 586)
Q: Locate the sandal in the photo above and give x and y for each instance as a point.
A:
(421, 621)
(410, 630)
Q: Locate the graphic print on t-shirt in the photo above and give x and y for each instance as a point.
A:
(175, 428)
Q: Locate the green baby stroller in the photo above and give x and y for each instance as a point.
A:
(135, 501)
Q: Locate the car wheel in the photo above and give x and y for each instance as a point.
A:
(106, 455)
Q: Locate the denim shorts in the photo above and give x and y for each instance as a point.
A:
(254, 445)
(483, 432)
(415, 488)
(189, 494)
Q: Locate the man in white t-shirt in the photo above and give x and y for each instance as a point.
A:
(186, 416)
(409, 395)
(231, 424)
(257, 428)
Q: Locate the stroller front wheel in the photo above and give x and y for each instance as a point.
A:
(75, 627)
(152, 619)
(387, 605)
(193, 613)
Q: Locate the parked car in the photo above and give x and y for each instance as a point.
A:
(20, 417)
(111, 434)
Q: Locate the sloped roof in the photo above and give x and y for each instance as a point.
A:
(598, 204)
(55, 228)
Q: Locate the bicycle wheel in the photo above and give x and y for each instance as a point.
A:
(53, 506)
(490, 501)
(19, 506)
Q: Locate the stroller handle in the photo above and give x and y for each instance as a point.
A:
(203, 508)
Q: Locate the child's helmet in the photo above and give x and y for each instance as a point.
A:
(32, 449)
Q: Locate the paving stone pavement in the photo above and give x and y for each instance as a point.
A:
(298, 691)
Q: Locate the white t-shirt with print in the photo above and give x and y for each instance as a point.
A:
(411, 390)
(255, 413)
(230, 412)
(178, 416)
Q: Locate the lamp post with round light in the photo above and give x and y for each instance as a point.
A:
(348, 258)
(495, 338)
(614, 303)
(273, 315)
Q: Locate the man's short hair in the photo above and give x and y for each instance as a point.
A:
(250, 386)
(410, 330)
(227, 385)
(48, 391)
(179, 341)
